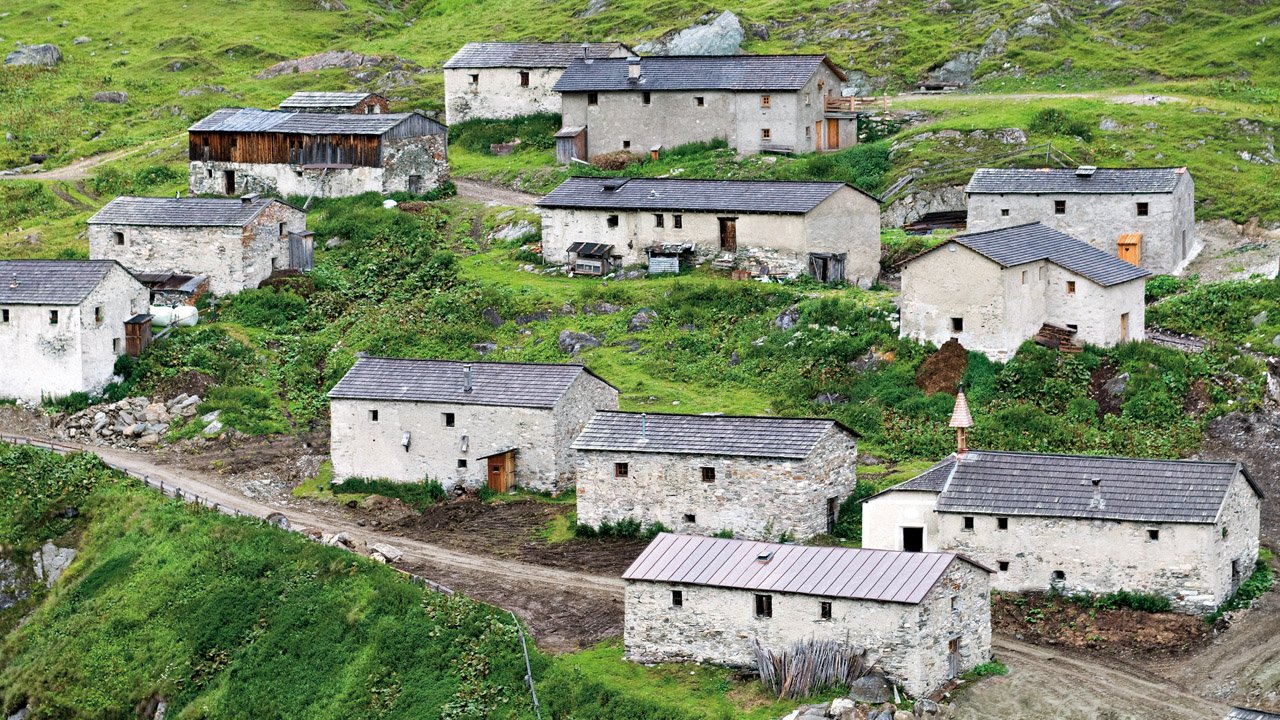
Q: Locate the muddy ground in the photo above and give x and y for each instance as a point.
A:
(1044, 619)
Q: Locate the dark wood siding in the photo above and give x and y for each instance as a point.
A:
(286, 148)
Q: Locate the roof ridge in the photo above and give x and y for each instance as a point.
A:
(718, 415)
(1127, 458)
(473, 362)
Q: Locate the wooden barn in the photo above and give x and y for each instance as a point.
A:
(239, 151)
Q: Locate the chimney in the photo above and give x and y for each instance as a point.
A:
(961, 420)
(586, 52)
(633, 69)
(1097, 502)
(466, 378)
(1086, 171)
(246, 199)
(644, 427)
(13, 284)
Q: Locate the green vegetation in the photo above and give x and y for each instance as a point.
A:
(1146, 602)
(1260, 581)
(991, 668)
(534, 132)
(625, 529)
(415, 495)
(1243, 311)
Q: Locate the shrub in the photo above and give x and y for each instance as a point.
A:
(1146, 602)
(535, 132)
(616, 160)
(418, 496)
(69, 404)
(1251, 589)
(1162, 286)
(267, 308)
(697, 148)
(1052, 121)
(849, 523)
(990, 668)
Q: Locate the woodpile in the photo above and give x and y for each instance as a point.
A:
(809, 667)
(1057, 338)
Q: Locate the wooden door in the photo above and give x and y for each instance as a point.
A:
(1124, 327)
(817, 135)
(833, 134)
(501, 471)
(729, 234)
(229, 181)
(953, 657)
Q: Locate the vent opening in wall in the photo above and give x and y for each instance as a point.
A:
(1003, 565)
(690, 518)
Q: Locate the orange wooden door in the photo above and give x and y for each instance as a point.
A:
(833, 134)
(817, 135)
(1129, 248)
(501, 469)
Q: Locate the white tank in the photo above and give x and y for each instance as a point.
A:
(185, 316)
(161, 315)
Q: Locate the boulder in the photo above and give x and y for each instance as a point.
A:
(788, 318)
(1260, 319)
(50, 560)
(842, 708)
(320, 61)
(641, 320)
(571, 343)
(493, 317)
(213, 428)
(149, 440)
(1116, 386)
(115, 97)
(721, 35)
(392, 554)
(871, 688)
(39, 55)
(956, 71)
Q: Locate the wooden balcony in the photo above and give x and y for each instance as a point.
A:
(842, 105)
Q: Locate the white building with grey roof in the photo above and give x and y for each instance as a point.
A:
(756, 477)
(993, 290)
(462, 424)
(1183, 529)
(63, 323)
(1145, 216)
(922, 618)
(828, 230)
(756, 103)
(235, 243)
(498, 80)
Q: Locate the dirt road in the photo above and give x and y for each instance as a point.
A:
(77, 170)
(492, 194)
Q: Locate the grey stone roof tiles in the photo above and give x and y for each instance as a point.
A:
(758, 196)
(528, 54)
(1239, 713)
(297, 123)
(50, 282)
(1021, 244)
(768, 437)
(180, 212)
(312, 99)
(834, 572)
(441, 381)
(676, 72)
(1065, 180)
(1005, 483)
(931, 480)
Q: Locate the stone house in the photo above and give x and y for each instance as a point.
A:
(337, 103)
(1184, 529)
(497, 80)
(236, 243)
(757, 103)
(829, 230)
(993, 290)
(241, 151)
(63, 323)
(758, 477)
(463, 424)
(1145, 216)
(923, 618)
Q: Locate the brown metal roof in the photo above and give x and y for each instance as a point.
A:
(850, 573)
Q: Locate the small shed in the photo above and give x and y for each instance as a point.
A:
(589, 258)
(137, 334)
(571, 144)
(667, 258)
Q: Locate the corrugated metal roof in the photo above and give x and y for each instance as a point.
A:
(312, 99)
(759, 196)
(1012, 246)
(529, 54)
(1239, 713)
(441, 381)
(280, 121)
(769, 437)
(50, 282)
(834, 572)
(1005, 483)
(180, 212)
(1065, 180)
(700, 72)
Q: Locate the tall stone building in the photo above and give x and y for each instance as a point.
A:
(499, 425)
(236, 243)
(498, 80)
(757, 477)
(923, 618)
(1144, 216)
(63, 323)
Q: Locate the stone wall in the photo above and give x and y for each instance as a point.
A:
(1237, 534)
(426, 157)
(587, 395)
(1093, 309)
(498, 93)
(756, 498)
(909, 642)
(884, 516)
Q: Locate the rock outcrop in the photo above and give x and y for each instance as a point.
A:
(721, 35)
(39, 55)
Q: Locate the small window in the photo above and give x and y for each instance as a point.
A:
(1059, 576)
(699, 101)
(474, 77)
(1071, 287)
(677, 221)
(4, 318)
(690, 518)
(657, 220)
(1004, 212)
(646, 97)
(1059, 207)
(766, 101)
(593, 98)
(708, 474)
(611, 221)
(1024, 277)
(1143, 209)
(524, 78)
(968, 522)
(957, 324)
(766, 134)
(284, 231)
(1153, 534)
(1003, 565)
(824, 610)
(1002, 523)
(626, 144)
(233, 143)
(97, 314)
(449, 419)
(373, 416)
(808, 131)
(620, 470)
(1073, 327)
(462, 463)
(115, 345)
(119, 237)
(677, 598)
(955, 603)
(53, 317)
(764, 606)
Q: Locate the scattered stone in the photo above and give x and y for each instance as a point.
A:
(213, 428)
(540, 316)
(788, 318)
(1260, 319)
(45, 55)
(81, 40)
(871, 688)
(1010, 136)
(1116, 386)
(392, 554)
(342, 539)
(114, 97)
(830, 399)
(719, 36)
(571, 343)
(514, 231)
(600, 308)
(641, 320)
(484, 348)
(956, 71)
(492, 317)
(1109, 124)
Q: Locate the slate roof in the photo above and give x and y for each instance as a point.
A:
(1239, 713)
(311, 99)
(696, 72)
(834, 572)
(1046, 485)
(527, 54)
(1013, 246)
(297, 123)
(180, 212)
(441, 381)
(1065, 180)
(50, 282)
(752, 196)
(931, 480)
(768, 437)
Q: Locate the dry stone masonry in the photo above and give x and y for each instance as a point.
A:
(133, 422)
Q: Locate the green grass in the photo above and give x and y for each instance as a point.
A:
(991, 668)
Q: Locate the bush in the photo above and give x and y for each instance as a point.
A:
(990, 668)
(418, 496)
(1145, 602)
(267, 308)
(1162, 286)
(849, 523)
(69, 404)
(1052, 121)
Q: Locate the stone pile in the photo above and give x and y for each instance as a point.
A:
(132, 422)
(848, 709)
